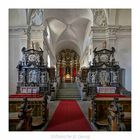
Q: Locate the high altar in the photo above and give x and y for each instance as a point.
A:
(67, 65)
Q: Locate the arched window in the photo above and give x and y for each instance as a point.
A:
(48, 60)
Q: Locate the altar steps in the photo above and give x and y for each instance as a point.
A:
(68, 91)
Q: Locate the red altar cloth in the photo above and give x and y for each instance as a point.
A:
(23, 95)
(110, 95)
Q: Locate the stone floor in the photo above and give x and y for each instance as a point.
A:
(84, 107)
(52, 105)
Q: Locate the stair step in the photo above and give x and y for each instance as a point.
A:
(68, 95)
(69, 85)
(68, 98)
(71, 90)
(68, 91)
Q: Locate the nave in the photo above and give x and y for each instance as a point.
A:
(70, 69)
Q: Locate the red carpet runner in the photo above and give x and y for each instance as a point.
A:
(68, 117)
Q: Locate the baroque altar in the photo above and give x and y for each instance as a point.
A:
(105, 74)
(32, 72)
(67, 65)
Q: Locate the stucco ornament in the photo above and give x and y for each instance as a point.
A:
(100, 17)
(37, 17)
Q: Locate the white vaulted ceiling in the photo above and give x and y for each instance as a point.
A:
(68, 27)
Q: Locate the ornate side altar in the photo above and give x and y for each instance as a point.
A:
(32, 73)
(105, 74)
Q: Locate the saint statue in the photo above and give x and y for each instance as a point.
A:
(93, 77)
(89, 79)
(104, 78)
(21, 77)
(32, 76)
(115, 77)
(43, 78)
(23, 56)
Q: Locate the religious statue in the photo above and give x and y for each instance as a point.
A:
(21, 77)
(116, 116)
(93, 77)
(89, 80)
(43, 78)
(23, 56)
(115, 77)
(104, 78)
(32, 76)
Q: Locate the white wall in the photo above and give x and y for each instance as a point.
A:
(119, 17)
(123, 55)
(17, 17)
(121, 41)
(15, 45)
(123, 17)
(118, 35)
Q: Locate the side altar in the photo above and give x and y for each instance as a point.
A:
(33, 84)
(32, 72)
(105, 74)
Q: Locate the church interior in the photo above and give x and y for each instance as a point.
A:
(69, 69)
